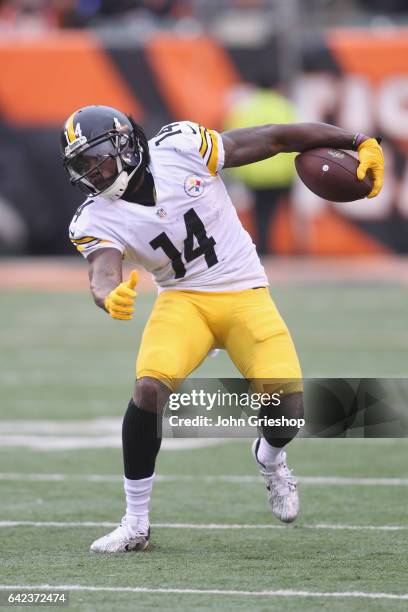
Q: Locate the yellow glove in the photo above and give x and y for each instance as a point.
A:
(371, 158)
(119, 303)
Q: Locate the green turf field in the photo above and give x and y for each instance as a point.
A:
(64, 360)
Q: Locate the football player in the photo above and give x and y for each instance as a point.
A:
(161, 204)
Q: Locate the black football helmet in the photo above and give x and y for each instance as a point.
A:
(101, 151)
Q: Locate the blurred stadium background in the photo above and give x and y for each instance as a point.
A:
(338, 274)
(164, 60)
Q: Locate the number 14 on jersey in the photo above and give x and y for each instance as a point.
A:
(194, 228)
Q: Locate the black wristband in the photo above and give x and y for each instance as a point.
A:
(357, 140)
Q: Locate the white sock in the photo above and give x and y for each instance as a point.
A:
(137, 498)
(269, 454)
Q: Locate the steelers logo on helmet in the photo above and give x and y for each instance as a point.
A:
(101, 151)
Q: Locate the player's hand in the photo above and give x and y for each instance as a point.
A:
(371, 159)
(119, 303)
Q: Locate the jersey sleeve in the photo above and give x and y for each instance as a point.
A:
(89, 234)
(211, 150)
(202, 145)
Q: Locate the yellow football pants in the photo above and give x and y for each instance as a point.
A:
(185, 325)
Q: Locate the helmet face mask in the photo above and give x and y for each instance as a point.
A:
(100, 151)
(96, 166)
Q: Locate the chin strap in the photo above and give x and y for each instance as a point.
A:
(118, 187)
(120, 184)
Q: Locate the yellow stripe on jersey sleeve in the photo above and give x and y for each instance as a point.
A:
(204, 143)
(82, 244)
(83, 240)
(83, 248)
(209, 153)
(212, 161)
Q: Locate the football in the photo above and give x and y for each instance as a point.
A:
(332, 175)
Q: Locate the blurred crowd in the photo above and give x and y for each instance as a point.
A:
(47, 14)
(32, 15)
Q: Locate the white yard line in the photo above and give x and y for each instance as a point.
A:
(43, 442)
(346, 480)
(229, 592)
(105, 432)
(206, 526)
(51, 443)
(239, 479)
(107, 425)
(48, 442)
(55, 435)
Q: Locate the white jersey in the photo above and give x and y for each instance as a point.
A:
(192, 238)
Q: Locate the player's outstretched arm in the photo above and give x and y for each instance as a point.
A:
(249, 145)
(107, 288)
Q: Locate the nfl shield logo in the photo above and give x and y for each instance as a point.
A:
(160, 212)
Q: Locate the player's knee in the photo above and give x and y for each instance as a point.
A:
(150, 394)
(292, 405)
(290, 413)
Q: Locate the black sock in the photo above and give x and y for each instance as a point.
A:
(141, 440)
(291, 407)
